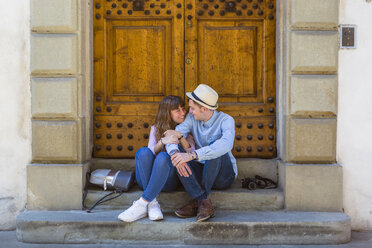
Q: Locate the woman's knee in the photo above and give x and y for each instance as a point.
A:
(143, 152)
(163, 159)
(144, 161)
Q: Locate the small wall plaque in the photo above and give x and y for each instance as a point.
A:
(348, 36)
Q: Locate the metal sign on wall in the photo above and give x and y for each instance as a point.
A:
(147, 49)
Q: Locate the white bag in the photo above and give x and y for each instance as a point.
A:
(112, 179)
(98, 177)
(119, 181)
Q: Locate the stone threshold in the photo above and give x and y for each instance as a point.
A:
(227, 227)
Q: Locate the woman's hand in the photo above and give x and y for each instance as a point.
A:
(170, 139)
(173, 132)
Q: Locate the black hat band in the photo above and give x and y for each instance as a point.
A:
(198, 99)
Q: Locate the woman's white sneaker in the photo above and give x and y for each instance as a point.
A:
(137, 211)
(154, 210)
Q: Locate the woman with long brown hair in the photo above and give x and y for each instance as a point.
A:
(154, 169)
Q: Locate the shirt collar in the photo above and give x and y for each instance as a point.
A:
(211, 120)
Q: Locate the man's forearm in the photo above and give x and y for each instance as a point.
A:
(214, 151)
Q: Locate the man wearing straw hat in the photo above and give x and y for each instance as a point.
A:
(212, 164)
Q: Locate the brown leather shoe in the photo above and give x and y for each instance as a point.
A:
(189, 210)
(205, 210)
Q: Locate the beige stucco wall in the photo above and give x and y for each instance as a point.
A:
(61, 86)
(354, 136)
(15, 108)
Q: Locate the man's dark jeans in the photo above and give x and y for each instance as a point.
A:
(217, 173)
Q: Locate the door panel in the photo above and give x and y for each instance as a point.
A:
(228, 54)
(138, 57)
(147, 49)
(138, 60)
(230, 45)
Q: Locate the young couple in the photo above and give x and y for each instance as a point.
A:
(201, 161)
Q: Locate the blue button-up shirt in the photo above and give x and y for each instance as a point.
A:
(213, 138)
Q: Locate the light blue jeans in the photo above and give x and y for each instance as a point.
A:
(154, 173)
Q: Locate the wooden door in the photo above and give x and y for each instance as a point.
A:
(138, 60)
(230, 45)
(147, 49)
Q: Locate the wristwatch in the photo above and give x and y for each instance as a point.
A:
(174, 151)
(194, 155)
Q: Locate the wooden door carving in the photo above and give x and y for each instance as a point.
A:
(147, 49)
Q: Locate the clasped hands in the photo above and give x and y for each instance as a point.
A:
(171, 137)
(180, 159)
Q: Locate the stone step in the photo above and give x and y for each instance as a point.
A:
(247, 167)
(227, 227)
(234, 198)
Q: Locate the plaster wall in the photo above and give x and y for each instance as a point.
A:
(354, 134)
(15, 108)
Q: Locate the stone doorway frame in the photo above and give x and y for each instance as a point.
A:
(62, 83)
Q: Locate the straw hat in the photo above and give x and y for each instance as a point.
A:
(205, 96)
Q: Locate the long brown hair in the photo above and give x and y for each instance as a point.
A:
(163, 121)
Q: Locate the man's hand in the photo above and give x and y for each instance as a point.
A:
(184, 170)
(179, 160)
